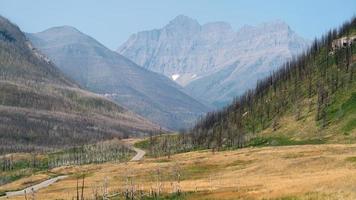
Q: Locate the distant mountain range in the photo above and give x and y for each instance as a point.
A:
(187, 68)
(213, 62)
(106, 72)
(41, 108)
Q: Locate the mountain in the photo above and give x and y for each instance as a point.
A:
(310, 100)
(212, 61)
(40, 108)
(106, 72)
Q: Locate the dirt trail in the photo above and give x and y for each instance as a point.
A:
(139, 152)
(129, 142)
(34, 188)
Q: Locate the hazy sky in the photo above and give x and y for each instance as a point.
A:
(113, 21)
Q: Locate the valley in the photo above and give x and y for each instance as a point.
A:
(112, 75)
(246, 107)
(288, 172)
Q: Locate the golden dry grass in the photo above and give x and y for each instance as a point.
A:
(25, 182)
(306, 172)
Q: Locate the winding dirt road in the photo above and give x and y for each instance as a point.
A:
(129, 143)
(139, 154)
(33, 188)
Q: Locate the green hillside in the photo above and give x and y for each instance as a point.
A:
(310, 98)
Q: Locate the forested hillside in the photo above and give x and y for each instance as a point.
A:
(41, 109)
(311, 99)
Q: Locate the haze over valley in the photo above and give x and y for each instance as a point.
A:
(110, 74)
(159, 100)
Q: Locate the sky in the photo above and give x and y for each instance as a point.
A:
(111, 22)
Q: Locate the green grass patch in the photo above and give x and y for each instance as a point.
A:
(310, 196)
(199, 170)
(174, 196)
(163, 160)
(281, 141)
(342, 104)
(349, 126)
(350, 105)
(143, 144)
(351, 159)
(343, 108)
(239, 163)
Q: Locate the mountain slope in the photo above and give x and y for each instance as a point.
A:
(193, 54)
(311, 99)
(40, 108)
(106, 72)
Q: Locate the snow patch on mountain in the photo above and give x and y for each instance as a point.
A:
(175, 76)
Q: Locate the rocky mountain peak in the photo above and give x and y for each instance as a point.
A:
(61, 30)
(277, 26)
(213, 60)
(182, 20)
(182, 24)
(71, 35)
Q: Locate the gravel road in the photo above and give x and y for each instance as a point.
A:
(139, 155)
